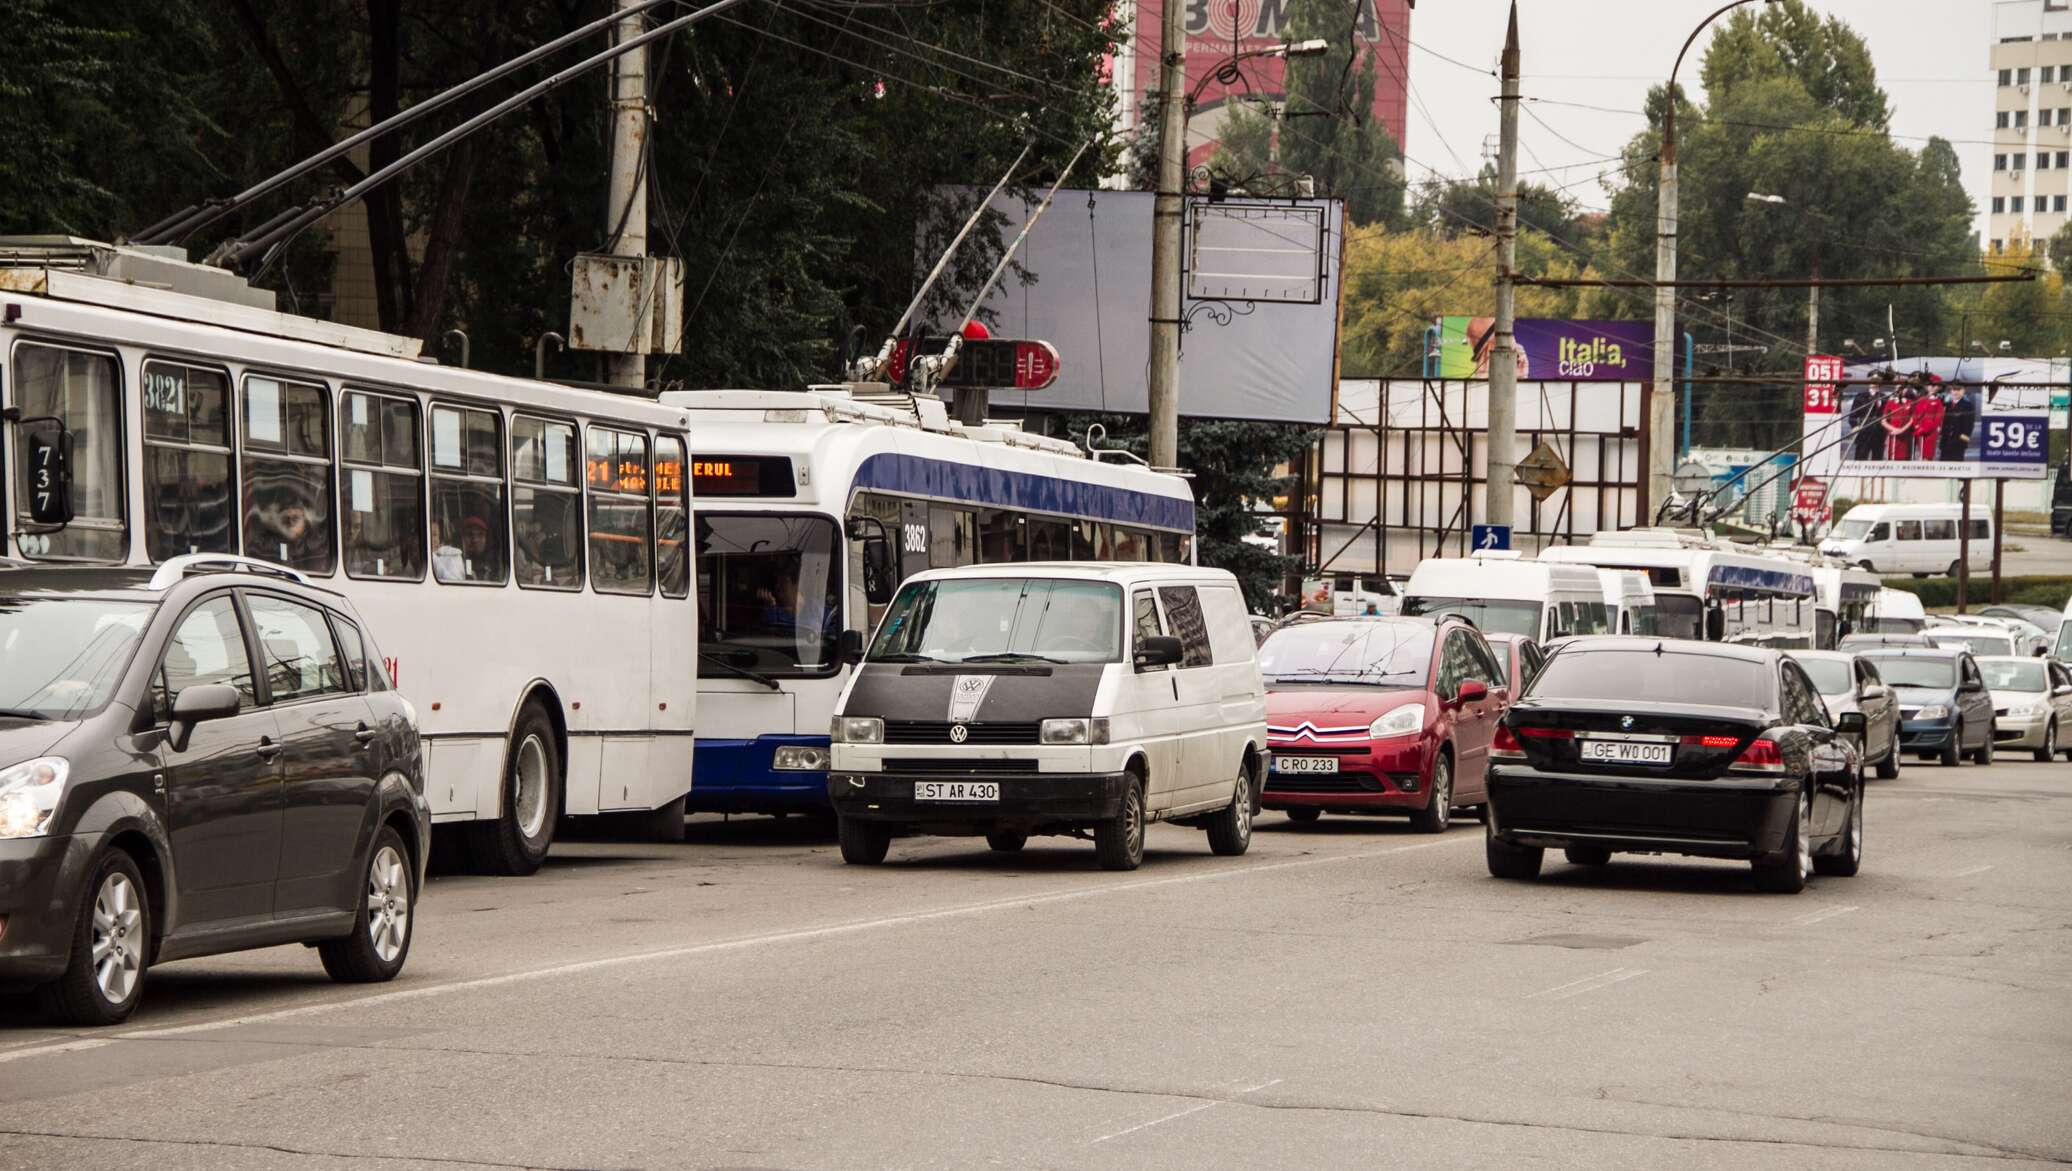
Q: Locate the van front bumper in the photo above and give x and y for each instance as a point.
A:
(1025, 800)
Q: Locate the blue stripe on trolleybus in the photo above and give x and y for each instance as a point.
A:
(917, 476)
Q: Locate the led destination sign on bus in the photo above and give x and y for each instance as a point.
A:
(742, 475)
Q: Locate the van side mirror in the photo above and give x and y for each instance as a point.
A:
(849, 648)
(198, 704)
(1157, 650)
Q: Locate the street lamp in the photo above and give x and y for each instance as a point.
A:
(1662, 395)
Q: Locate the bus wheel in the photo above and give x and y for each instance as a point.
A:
(516, 842)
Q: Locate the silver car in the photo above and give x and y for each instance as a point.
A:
(1850, 683)
(2032, 703)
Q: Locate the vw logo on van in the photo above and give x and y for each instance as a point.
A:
(958, 732)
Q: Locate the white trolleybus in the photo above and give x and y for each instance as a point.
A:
(517, 547)
(1706, 589)
(814, 505)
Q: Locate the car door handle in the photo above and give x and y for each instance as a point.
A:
(267, 749)
(365, 735)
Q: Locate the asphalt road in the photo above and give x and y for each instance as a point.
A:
(1348, 994)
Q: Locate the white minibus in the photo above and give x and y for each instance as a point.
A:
(1507, 594)
(1920, 539)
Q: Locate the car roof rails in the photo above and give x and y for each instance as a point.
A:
(174, 569)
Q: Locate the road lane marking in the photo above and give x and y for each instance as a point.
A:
(1970, 872)
(1822, 916)
(1588, 984)
(1197, 1108)
(796, 935)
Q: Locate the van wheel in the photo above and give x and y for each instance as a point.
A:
(1867, 567)
(516, 842)
(111, 944)
(1230, 828)
(864, 843)
(1951, 571)
(1119, 841)
(1006, 841)
(1438, 812)
(380, 939)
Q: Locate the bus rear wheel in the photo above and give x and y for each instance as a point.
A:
(517, 841)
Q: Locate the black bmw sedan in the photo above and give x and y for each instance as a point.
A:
(1661, 746)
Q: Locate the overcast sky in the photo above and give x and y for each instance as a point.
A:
(1930, 55)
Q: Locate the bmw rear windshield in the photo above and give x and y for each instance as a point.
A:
(1667, 676)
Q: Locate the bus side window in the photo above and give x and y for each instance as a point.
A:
(1131, 545)
(1910, 530)
(546, 505)
(187, 495)
(1050, 539)
(84, 390)
(1000, 536)
(382, 486)
(952, 536)
(287, 474)
(672, 519)
(1089, 541)
(470, 531)
(621, 527)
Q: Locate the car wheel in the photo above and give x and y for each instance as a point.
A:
(1006, 841)
(864, 843)
(1953, 749)
(380, 940)
(1888, 768)
(1119, 841)
(1509, 861)
(2050, 743)
(1848, 857)
(1230, 828)
(111, 944)
(1785, 872)
(1304, 814)
(1985, 751)
(1587, 855)
(1438, 811)
(516, 842)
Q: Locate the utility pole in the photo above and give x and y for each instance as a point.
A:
(1166, 211)
(1813, 311)
(1503, 358)
(626, 207)
(1662, 390)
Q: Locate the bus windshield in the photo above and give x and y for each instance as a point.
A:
(1002, 620)
(1488, 617)
(60, 658)
(769, 598)
(1679, 616)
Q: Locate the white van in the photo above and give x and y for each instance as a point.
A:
(1629, 600)
(1908, 538)
(1895, 612)
(1542, 600)
(1017, 700)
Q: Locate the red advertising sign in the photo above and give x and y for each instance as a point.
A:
(1809, 503)
(1823, 371)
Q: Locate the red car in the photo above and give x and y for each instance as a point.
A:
(1380, 716)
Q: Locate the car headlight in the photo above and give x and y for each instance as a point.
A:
(808, 758)
(2028, 712)
(1407, 720)
(1076, 730)
(1934, 711)
(29, 794)
(859, 730)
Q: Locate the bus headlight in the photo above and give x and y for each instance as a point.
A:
(805, 758)
(859, 730)
(1076, 730)
(29, 794)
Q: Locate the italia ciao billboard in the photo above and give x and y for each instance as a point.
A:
(1551, 350)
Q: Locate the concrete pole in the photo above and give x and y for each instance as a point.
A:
(627, 201)
(1503, 357)
(1662, 391)
(1165, 237)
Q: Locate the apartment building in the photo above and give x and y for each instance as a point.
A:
(2032, 121)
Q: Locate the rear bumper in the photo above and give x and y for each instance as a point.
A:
(1025, 801)
(740, 776)
(1725, 817)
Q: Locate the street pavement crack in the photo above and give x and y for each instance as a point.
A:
(311, 1152)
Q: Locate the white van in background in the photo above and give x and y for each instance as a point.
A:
(1895, 612)
(1504, 593)
(1629, 600)
(1920, 539)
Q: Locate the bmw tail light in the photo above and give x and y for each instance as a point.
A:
(1713, 741)
(1504, 745)
(1761, 756)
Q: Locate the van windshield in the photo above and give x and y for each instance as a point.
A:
(1002, 620)
(60, 658)
(1853, 530)
(1488, 617)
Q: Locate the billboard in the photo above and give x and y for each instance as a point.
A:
(1551, 350)
(1923, 426)
(1264, 350)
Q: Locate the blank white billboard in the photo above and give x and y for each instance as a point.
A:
(1264, 348)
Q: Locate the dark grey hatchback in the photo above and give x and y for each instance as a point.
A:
(161, 799)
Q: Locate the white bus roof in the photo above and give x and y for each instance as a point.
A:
(1698, 560)
(1893, 603)
(1479, 577)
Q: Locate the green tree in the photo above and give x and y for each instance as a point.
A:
(1826, 57)
(1452, 207)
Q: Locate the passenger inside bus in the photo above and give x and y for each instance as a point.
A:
(282, 527)
(476, 557)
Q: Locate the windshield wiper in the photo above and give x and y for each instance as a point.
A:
(742, 672)
(906, 657)
(1307, 672)
(1009, 657)
(22, 713)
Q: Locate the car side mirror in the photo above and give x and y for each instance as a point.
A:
(1471, 691)
(1875, 691)
(849, 648)
(1851, 723)
(198, 704)
(1157, 650)
(2062, 689)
